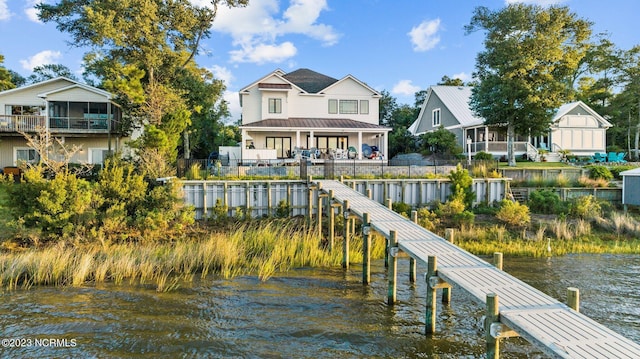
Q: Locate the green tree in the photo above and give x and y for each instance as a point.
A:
(529, 54)
(5, 77)
(441, 142)
(448, 81)
(48, 72)
(143, 51)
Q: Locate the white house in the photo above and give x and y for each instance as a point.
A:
(75, 113)
(575, 127)
(283, 113)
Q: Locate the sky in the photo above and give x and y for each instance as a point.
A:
(400, 46)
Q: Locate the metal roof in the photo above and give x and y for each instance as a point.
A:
(456, 100)
(311, 123)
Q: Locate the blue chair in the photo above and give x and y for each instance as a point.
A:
(621, 157)
(613, 157)
(599, 157)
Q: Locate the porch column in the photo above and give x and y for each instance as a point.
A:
(298, 138)
(385, 149)
(311, 141)
(359, 149)
(486, 138)
(243, 143)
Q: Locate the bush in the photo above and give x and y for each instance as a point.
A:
(283, 210)
(600, 172)
(586, 207)
(513, 213)
(428, 219)
(461, 186)
(483, 156)
(546, 201)
(615, 170)
(402, 208)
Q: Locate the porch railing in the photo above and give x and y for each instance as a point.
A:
(31, 123)
(498, 146)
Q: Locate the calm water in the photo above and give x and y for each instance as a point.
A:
(301, 314)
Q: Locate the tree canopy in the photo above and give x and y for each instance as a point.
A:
(143, 51)
(530, 53)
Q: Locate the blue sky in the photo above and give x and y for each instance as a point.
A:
(401, 46)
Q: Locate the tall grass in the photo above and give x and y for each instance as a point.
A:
(262, 248)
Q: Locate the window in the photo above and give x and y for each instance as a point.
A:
(333, 106)
(364, 107)
(275, 105)
(97, 155)
(349, 106)
(282, 145)
(435, 117)
(25, 155)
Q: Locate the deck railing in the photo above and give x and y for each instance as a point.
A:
(32, 123)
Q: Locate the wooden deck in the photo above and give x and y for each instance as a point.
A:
(550, 325)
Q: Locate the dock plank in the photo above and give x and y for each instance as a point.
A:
(552, 326)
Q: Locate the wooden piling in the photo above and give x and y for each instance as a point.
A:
(366, 249)
(369, 193)
(449, 235)
(386, 240)
(310, 205)
(430, 315)
(497, 260)
(492, 316)
(319, 211)
(345, 242)
(412, 261)
(332, 221)
(393, 267)
(204, 199)
(573, 298)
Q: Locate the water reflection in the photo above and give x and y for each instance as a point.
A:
(304, 314)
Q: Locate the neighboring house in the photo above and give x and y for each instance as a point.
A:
(284, 113)
(575, 127)
(74, 113)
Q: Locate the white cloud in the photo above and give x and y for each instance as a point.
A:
(233, 100)
(263, 53)
(222, 73)
(41, 58)
(256, 28)
(5, 14)
(534, 2)
(404, 87)
(462, 76)
(425, 36)
(30, 10)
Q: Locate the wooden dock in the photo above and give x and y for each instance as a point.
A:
(514, 308)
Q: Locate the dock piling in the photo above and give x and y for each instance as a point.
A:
(345, 242)
(393, 267)
(366, 249)
(573, 298)
(492, 316)
(432, 271)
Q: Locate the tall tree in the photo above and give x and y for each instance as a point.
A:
(530, 51)
(140, 50)
(5, 77)
(50, 71)
(448, 81)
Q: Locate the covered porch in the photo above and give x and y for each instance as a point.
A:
(323, 139)
(493, 140)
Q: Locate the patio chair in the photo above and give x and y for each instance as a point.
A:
(600, 157)
(613, 157)
(621, 157)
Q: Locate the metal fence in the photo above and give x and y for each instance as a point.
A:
(327, 169)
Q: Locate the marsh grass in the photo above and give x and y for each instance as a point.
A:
(261, 248)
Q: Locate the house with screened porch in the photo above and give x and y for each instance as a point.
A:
(72, 112)
(305, 112)
(575, 128)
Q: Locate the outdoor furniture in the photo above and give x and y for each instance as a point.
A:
(598, 157)
(621, 157)
(613, 157)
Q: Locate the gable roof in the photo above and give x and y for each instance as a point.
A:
(456, 100)
(310, 81)
(70, 84)
(568, 107)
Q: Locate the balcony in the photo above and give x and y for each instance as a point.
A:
(31, 123)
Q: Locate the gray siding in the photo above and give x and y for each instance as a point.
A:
(631, 195)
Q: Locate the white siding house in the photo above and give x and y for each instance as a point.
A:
(575, 127)
(75, 113)
(303, 109)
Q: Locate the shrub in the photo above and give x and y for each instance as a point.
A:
(513, 213)
(428, 219)
(592, 183)
(546, 201)
(483, 156)
(461, 186)
(402, 208)
(586, 207)
(615, 170)
(283, 210)
(600, 172)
